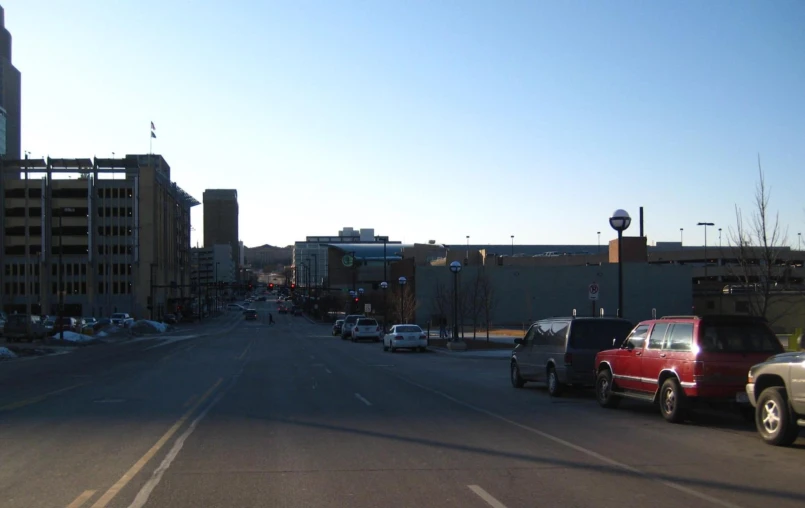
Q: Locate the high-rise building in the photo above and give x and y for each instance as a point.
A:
(114, 239)
(9, 96)
(221, 220)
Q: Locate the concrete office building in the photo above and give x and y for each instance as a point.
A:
(9, 96)
(107, 235)
(221, 220)
(310, 256)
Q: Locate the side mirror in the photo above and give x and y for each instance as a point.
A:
(518, 342)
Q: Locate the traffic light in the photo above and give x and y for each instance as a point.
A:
(293, 286)
(270, 285)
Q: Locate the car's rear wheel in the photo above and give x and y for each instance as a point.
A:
(673, 401)
(554, 386)
(774, 419)
(603, 390)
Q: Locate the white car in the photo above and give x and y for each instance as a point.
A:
(121, 319)
(366, 328)
(405, 336)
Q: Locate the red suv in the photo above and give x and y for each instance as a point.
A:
(680, 360)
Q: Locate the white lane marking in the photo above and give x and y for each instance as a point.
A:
(360, 398)
(486, 496)
(156, 476)
(578, 448)
(328, 371)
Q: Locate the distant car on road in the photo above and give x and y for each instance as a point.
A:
(282, 309)
(776, 388)
(406, 337)
(250, 314)
(337, 327)
(349, 325)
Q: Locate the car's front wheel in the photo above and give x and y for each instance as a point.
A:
(516, 379)
(603, 390)
(673, 401)
(774, 419)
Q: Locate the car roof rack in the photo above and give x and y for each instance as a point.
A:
(680, 317)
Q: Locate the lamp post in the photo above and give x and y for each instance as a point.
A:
(681, 237)
(468, 248)
(799, 241)
(352, 300)
(705, 224)
(599, 242)
(455, 267)
(512, 245)
(719, 238)
(620, 222)
(403, 281)
(384, 286)
(61, 271)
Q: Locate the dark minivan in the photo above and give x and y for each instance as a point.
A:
(561, 351)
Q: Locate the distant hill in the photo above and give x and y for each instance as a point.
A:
(268, 255)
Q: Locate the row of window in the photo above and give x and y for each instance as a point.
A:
(70, 231)
(108, 193)
(69, 269)
(70, 288)
(36, 211)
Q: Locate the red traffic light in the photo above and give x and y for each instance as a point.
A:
(293, 286)
(270, 285)
(357, 299)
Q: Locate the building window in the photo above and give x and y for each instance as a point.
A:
(100, 288)
(83, 288)
(36, 288)
(54, 289)
(83, 269)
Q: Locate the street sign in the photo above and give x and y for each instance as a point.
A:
(367, 307)
(593, 291)
(347, 260)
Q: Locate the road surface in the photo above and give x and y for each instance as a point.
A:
(289, 416)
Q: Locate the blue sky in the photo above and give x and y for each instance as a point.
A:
(433, 120)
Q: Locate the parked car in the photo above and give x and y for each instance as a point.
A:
(349, 325)
(250, 314)
(68, 324)
(170, 319)
(21, 327)
(680, 361)
(776, 389)
(337, 326)
(561, 351)
(122, 319)
(405, 336)
(366, 329)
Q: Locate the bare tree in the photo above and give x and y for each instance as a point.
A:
(403, 307)
(474, 301)
(488, 299)
(757, 244)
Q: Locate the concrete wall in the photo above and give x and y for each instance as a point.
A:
(530, 293)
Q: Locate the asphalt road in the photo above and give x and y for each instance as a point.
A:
(289, 416)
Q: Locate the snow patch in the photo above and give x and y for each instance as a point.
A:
(73, 337)
(7, 353)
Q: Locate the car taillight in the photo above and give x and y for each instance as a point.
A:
(698, 369)
(568, 358)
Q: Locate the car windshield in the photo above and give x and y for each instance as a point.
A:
(738, 338)
(408, 329)
(598, 334)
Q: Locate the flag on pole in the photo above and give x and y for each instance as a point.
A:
(153, 135)
(152, 126)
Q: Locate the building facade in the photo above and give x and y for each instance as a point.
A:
(94, 235)
(10, 100)
(221, 219)
(310, 263)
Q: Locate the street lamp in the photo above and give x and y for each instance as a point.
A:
(719, 238)
(61, 271)
(681, 237)
(705, 224)
(599, 242)
(620, 222)
(455, 267)
(403, 281)
(384, 286)
(512, 245)
(799, 241)
(468, 248)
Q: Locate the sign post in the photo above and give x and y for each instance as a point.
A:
(593, 295)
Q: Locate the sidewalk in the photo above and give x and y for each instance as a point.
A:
(489, 354)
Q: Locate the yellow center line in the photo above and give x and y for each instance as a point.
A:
(133, 470)
(39, 398)
(190, 400)
(81, 499)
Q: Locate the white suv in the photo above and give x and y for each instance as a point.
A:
(366, 328)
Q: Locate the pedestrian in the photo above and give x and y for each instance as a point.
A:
(443, 328)
(270, 319)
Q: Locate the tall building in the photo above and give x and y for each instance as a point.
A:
(221, 220)
(94, 235)
(9, 96)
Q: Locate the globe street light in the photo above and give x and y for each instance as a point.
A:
(403, 281)
(620, 222)
(512, 245)
(384, 286)
(455, 267)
